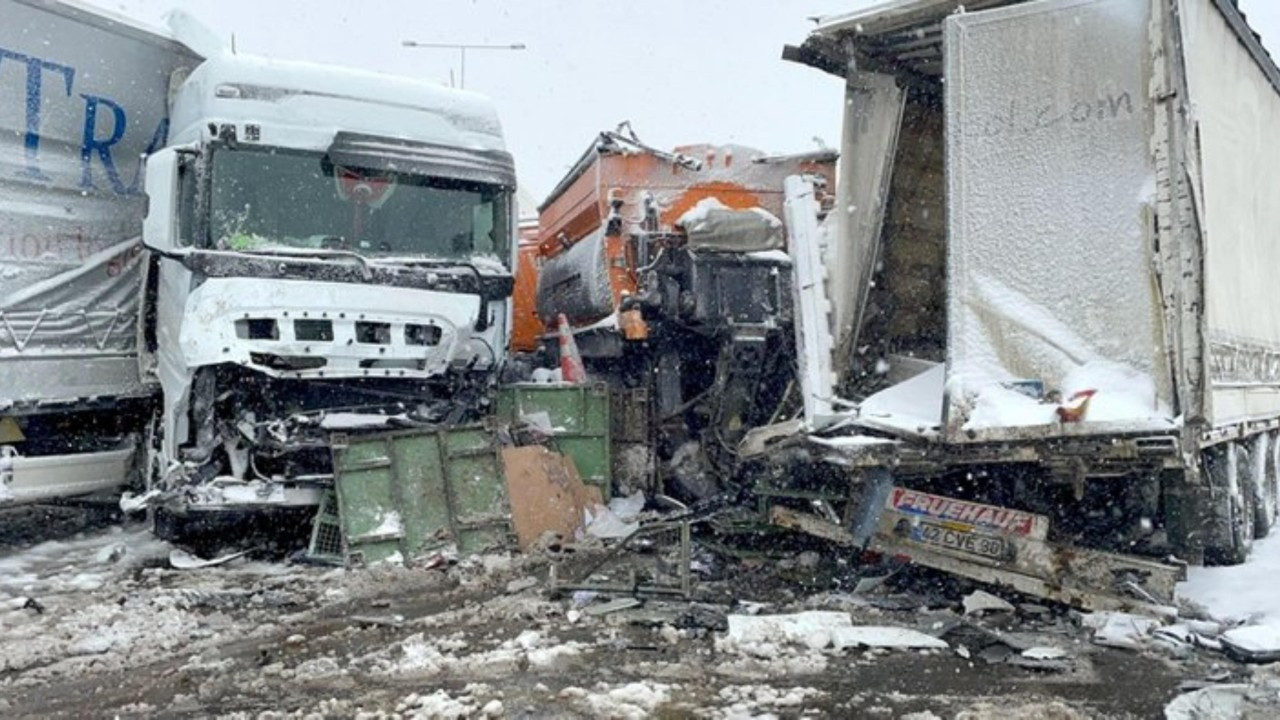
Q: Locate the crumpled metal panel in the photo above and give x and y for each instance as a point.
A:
(410, 493)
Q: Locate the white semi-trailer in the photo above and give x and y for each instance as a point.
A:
(323, 250)
(1050, 276)
(82, 98)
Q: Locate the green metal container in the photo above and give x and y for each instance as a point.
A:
(580, 421)
(415, 491)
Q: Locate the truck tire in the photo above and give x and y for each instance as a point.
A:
(1242, 528)
(1267, 487)
(1233, 540)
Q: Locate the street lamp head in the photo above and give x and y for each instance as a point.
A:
(408, 43)
(517, 46)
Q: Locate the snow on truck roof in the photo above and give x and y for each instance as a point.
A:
(908, 27)
(110, 21)
(318, 99)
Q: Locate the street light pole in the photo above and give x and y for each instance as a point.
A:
(462, 52)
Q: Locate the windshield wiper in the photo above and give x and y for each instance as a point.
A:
(284, 251)
(428, 261)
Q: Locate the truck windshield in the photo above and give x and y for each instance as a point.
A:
(263, 198)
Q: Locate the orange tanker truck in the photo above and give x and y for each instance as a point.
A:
(672, 272)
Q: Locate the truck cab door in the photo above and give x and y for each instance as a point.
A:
(169, 226)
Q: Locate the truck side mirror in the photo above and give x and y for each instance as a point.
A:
(160, 228)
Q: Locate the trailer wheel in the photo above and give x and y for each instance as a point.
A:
(1234, 538)
(1267, 485)
(1242, 527)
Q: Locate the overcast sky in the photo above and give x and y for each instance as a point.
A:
(682, 71)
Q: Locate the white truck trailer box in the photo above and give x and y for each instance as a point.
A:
(1071, 261)
(83, 96)
(76, 117)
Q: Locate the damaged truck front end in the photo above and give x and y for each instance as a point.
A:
(298, 292)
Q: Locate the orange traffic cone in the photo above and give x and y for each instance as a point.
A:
(571, 368)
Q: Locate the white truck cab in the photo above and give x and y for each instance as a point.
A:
(331, 250)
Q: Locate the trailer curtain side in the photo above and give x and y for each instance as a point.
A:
(1235, 120)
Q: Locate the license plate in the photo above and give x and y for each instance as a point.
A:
(961, 540)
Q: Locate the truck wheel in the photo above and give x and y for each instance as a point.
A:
(1268, 496)
(1233, 539)
(1263, 467)
(1242, 528)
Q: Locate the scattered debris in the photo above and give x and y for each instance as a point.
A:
(1120, 630)
(547, 495)
(131, 503)
(1052, 659)
(183, 560)
(885, 637)
(1218, 702)
(378, 621)
(981, 601)
(612, 606)
(1044, 653)
(521, 584)
(1252, 643)
(605, 524)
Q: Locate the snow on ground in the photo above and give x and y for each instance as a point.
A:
(81, 563)
(107, 599)
(1242, 593)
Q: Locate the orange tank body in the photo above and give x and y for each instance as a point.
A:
(615, 170)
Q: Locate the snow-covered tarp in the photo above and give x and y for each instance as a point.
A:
(1050, 282)
(711, 225)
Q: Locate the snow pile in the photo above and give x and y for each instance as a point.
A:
(440, 705)
(420, 655)
(81, 564)
(1236, 594)
(1259, 698)
(766, 646)
(525, 609)
(767, 635)
(1120, 394)
(315, 668)
(747, 701)
(105, 601)
(633, 701)
(997, 407)
(1051, 710)
(1210, 703)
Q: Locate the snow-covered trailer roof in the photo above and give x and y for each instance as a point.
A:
(907, 35)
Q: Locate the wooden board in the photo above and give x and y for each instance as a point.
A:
(546, 494)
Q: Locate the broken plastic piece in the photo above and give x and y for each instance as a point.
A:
(183, 560)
